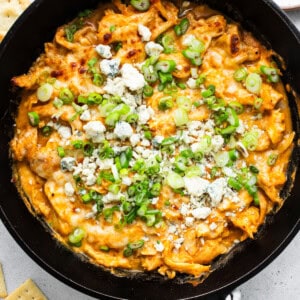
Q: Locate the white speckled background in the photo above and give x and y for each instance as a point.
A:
(280, 280)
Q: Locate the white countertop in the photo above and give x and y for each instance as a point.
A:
(280, 280)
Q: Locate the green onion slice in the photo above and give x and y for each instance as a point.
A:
(222, 158)
(44, 92)
(66, 96)
(175, 181)
(76, 237)
(253, 83)
(240, 74)
(165, 66)
(272, 158)
(180, 117)
(141, 5)
(182, 27)
(136, 245)
(34, 118)
(148, 91)
(184, 102)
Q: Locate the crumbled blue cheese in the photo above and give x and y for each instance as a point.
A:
(217, 142)
(85, 116)
(123, 130)
(201, 212)
(67, 163)
(195, 186)
(159, 246)
(105, 164)
(178, 242)
(144, 114)
(135, 139)
(132, 78)
(69, 190)
(115, 86)
(189, 221)
(216, 190)
(103, 51)
(153, 49)
(144, 32)
(94, 130)
(126, 180)
(213, 226)
(110, 67)
(187, 39)
(191, 83)
(64, 132)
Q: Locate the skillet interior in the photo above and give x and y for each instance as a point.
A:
(22, 46)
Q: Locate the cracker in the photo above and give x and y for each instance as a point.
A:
(10, 10)
(3, 292)
(27, 291)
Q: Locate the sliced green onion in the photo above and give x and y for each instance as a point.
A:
(181, 85)
(61, 151)
(232, 117)
(165, 66)
(257, 103)
(175, 181)
(180, 164)
(235, 184)
(155, 189)
(193, 171)
(112, 28)
(253, 83)
(66, 96)
(184, 102)
(165, 77)
(271, 73)
(94, 98)
(76, 237)
(58, 103)
(253, 169)
(132, 118)
(169, 141)
(88, 149)
(114, 188)
(180, 117)
(222, 158)
(240, 74)
(136, 245)
(197, 45)
(34, 118)
(272, 158)
(193, 56)
(204, 145)
(127, 252)
(210, 91)
(168, 43)
(77, 144)
(238, 107)
(148, 135)
(141, 5)
(250, 140)
(170, 88)
(200, 80)
(44, 92)
(165, 103)
(233, 154)
(106, 107)
(182, 27)
(46, 130)
(228, 130)
(148, 91)
(112, 118)
(149, 73)
(104, 248)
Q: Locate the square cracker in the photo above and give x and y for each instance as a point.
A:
(3, 292)
(27, 291)
(10, 10)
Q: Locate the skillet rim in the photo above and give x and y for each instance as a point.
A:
(41, 262)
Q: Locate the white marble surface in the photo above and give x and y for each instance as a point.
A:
(280, 280)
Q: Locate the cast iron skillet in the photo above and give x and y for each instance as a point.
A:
(21, 47)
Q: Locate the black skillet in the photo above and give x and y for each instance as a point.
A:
(22, 46)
